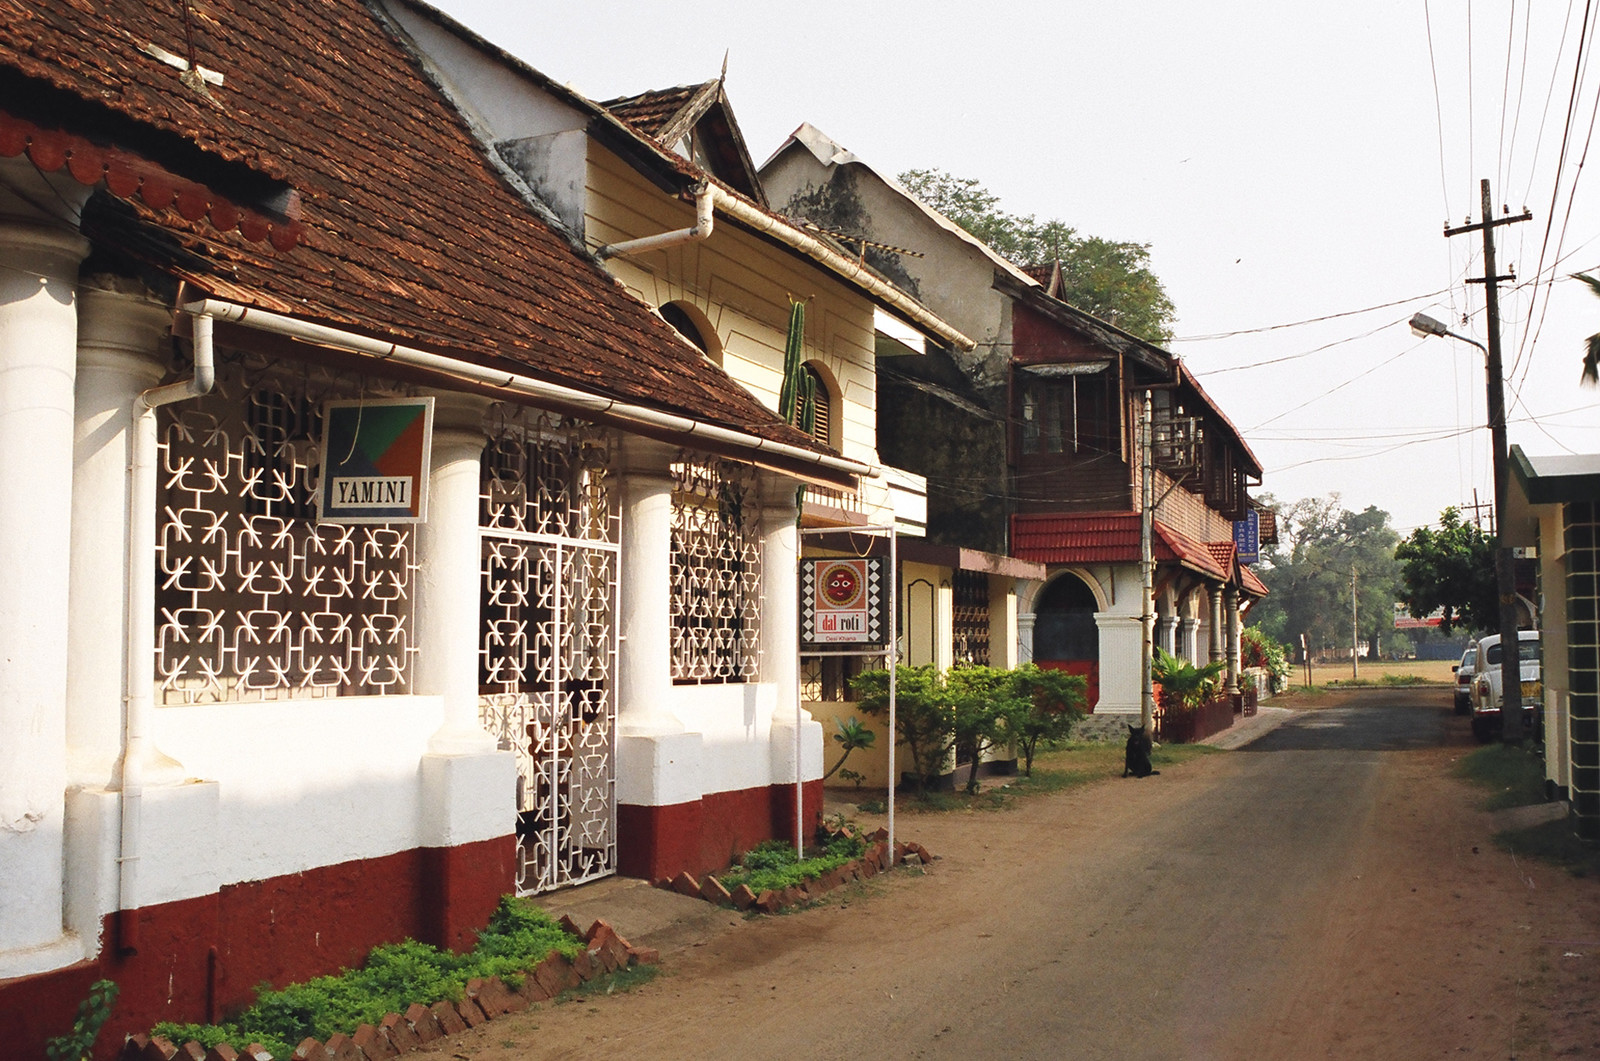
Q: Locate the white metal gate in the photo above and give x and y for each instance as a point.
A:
(549, 640)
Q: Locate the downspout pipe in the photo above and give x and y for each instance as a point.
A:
(141, 762)
(523, 386)
(705, 199)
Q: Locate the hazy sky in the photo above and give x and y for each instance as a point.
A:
(1287, 163)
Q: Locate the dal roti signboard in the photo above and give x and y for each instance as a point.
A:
(841, 601)
(375, 460)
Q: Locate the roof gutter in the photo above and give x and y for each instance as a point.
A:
(821, 253)
(525, 387)
(705, 197)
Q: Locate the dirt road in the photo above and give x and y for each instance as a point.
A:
(1328, 892)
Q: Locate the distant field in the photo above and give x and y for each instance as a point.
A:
(1433, 670)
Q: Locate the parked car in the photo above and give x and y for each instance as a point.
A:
(1486, 721)
(1464, 672)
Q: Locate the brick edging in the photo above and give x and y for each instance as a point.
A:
(878, 858)
(605, 952)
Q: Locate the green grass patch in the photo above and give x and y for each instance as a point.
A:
(518, 937)
(619, 982)
(1510, 777)
(1066, 766)
(1554, 843)
(772, 865)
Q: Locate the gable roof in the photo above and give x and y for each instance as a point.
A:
(406, 229)
(1086, 538)
(669, 115)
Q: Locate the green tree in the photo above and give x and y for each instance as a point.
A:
(923, 719)
(1105, 278)
(1049, 703)
(1320, 543)
(1450, 569)
(983, 701)
(1591, 354)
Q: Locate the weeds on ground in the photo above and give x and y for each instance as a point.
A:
(1509, 776)
(772, 865)
(519, 936)
(619, 982)
(1554, 843)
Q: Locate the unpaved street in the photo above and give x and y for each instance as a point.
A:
(1328, 892)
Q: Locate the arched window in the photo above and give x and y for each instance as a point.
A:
(690, 323)
(823, 398)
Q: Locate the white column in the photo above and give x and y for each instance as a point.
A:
(120, 333)
(468, 784)
(658, 759)
(1003, 622)
(448, 593)
(1214, 624)
(1233, 630)
(1190, 638)
(644, 665)
(780, 634)
(38, 353)
(1025, 624)
(1121, 637)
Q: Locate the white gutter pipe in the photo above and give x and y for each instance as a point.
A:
(522, 386)
(708, 200)
(140, 760)
(705, 198)
(821, 253)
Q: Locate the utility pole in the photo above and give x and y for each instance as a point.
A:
(1355, 626)
(1505, 574)
(1147, 568)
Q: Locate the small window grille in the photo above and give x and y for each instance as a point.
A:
(970, 593)
(716, 572)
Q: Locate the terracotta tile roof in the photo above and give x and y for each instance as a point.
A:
(649, 112)
(408, 232)
(1223, 553)
(1105, 538)
(1252, 582)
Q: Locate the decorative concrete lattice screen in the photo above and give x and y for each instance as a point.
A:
(548, 654)
(254, 600)
(970, 622)
(1582, 532)
(716, 572)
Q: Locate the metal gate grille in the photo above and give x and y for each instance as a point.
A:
(548, 650)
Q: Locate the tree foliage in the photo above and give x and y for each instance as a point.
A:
(1308, 573)
(1450, 569)
(1591, 349)
(1108, 279)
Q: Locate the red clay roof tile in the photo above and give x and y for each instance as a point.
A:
(408, 232)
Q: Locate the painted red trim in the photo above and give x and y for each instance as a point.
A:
(203, 957)
(707, 834)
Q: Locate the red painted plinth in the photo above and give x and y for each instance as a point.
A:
(708, 834)
(200, 959)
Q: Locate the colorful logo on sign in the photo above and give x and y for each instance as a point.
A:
(841, 586)
(375, 460)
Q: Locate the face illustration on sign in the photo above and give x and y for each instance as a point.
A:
(841, 585)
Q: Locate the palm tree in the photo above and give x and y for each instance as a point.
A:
(1591, 354)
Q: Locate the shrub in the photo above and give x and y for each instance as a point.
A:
(519, 936)
(1259, 650)
(1182, 683)
(772, 865)
(1050, 701)
(923, 718)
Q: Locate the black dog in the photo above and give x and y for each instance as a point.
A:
(1136, 760)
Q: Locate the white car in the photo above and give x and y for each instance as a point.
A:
(1486, 720)
(1464, 672)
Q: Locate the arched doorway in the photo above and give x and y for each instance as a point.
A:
(1065, 635)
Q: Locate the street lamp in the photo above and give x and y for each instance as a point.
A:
(1424, 326)
(1505, 575)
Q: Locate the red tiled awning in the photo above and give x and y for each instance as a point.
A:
(127, 174)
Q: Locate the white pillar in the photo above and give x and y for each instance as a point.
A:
(644, 665)
(1215, 627)
(38, 354)
(1025, 624)
(448, 597)
(120, 333)
(795, 736)
(1233, 629)
(1190, 638)
(658, 758)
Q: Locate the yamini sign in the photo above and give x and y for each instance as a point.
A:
(375, 460)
